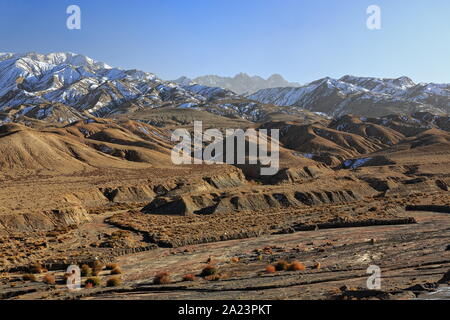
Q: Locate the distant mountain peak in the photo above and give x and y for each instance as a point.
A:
(361, 95)
(242, 83)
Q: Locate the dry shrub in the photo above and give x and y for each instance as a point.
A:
(86, 271)
(111, 266)
(36, 268)
(297, 266)
(213, 277)
(281, 265)
(93, 282)
(189, 277)
(162, 278)
(209, 271)
(98, 265)
(49, 279)
(96, 272)
(114, 282)
(29, 277)
(270, 269)
(116, 270)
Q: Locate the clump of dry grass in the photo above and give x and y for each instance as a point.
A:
(111, 266)
(281, 265)
(213, 277)
(116, 270)
(162, 278)
(189, 277)
(92, 282)
(29, 277)
(86, 271)
(114, 282)
(37, 268)
(49, 279)
(270, 269)
(317, 266)
(209, 270)
(296, 266)
(97, 267)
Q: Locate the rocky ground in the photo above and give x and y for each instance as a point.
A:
(413, 259)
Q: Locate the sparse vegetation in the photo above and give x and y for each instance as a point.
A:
(111, 266)
(114, 282)
(36, 268)
(86, 271)
(116, 270)
(296, 266)
(270, 269)
(317, 266)
(97, 267)
(49, 279)
(281, 265)
(92, 282)
(209, 271)
(29, 277)
(162, 278)
(213, 277)
(189, 277)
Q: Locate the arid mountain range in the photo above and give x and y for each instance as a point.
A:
(66, 87)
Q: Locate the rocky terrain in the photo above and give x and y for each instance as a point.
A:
(87, 179)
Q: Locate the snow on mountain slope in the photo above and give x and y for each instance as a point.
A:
(363, 96)
(81, 83)
(47, 87)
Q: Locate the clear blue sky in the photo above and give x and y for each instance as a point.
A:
(302, 40)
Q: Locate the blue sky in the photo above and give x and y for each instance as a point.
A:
(301, 39)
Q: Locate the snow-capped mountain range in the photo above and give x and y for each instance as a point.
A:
(85, 85)
(241, 83)
(362, 96)
(64, 87)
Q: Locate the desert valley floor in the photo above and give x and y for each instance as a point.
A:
(104, 192)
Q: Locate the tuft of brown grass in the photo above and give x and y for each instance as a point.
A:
(213, 277)
(296, 266)
(36, 268)
(29, 277)
(114, 282)
(97, 267)
(116, 270)
(111, 266)
(49, 279)
(189, 277)
(93, 282)
(86, 271)
(270, 269)
(209, 271)
(281, 265)
(317, 266)
(162, 278)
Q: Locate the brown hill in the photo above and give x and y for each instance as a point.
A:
(82, 147)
